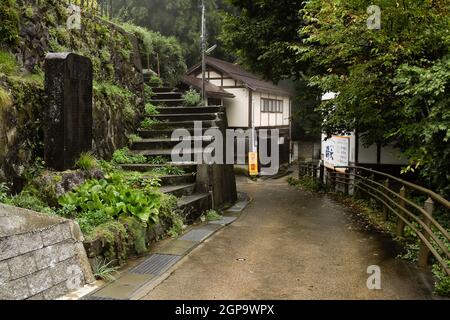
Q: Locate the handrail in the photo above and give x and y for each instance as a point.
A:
(429, 192)
(407, 211)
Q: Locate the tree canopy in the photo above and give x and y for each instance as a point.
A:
(178, 18)
(392, 82)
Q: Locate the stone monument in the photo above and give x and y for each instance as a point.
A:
(68, 117)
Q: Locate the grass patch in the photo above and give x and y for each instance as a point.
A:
(307, 183)
(86, 162)
(104, 270)
(8, 64)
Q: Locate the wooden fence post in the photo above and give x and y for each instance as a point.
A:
(424, 250)
(347, 182)
(400, 222)
(385, 208)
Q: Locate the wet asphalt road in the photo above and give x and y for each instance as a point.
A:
(290, 244)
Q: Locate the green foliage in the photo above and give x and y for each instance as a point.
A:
(28, 200)
(178, 18)
(157, 160)
(148, 92)
(391, 82)
(307, 183)
(114, 197)
(155, 81)
(177, 226)
(116, 97)
(138, 232)
(245, 34)
(8, 64)
(132, 138)
(212, 215)
(89, 220)
(5, 99)
(104, 271)
(4, 192)
(167, 49)
(150, 109)
(114, 236)
(124, 156)
(86, 161)
(9, 17)
(192, 98)
(148, 123)
(442, 284)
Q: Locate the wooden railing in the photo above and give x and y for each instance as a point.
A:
(397, 197)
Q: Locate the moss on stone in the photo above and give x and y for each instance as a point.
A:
(9, 26)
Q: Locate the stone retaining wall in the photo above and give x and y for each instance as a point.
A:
(41, 257)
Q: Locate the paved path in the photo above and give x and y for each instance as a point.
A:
(289, 244)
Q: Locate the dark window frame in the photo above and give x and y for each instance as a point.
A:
(272, 105)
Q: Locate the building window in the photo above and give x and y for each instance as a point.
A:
(271, 106)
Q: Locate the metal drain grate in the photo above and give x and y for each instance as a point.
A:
(224, 221)
(197, 235)
(157, 264)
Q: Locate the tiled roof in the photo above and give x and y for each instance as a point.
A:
(211, 89)
(236, 72)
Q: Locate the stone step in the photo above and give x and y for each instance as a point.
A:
(165, 133)
(168, 95)
(167, 102)
(184, 124)
(179, 191)
(171, 180)
(183, 110)
(164, 152)
(187, 167)
(162, 89)
(168, 143)
(186, 117)
(194, 205)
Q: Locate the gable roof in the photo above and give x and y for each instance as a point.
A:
(236, 72)
(212, 90)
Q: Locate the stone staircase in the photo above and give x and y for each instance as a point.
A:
(157, 142)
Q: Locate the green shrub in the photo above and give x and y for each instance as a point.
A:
(177, 226)
(89, 220)
(148, 124)
(28, 200)
(168, 50)
(132, 138)
(8, 64)
(86, 162)
(155, 81)
(124, 156)
(442, 284)
(148, 92)
(9, 26)
(5, 99)
(150, 109)
(4, 192)
(192, 98)
(114, 197)
(307, 183)
(103, 270)
(212, 215)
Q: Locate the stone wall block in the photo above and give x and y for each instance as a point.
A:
(40, 281)
(22, 265)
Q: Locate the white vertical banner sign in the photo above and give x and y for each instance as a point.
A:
(337, 152)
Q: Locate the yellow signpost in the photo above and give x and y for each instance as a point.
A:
(253, 163)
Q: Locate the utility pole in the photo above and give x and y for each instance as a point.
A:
(204, 54)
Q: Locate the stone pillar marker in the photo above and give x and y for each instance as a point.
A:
(68, 116)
